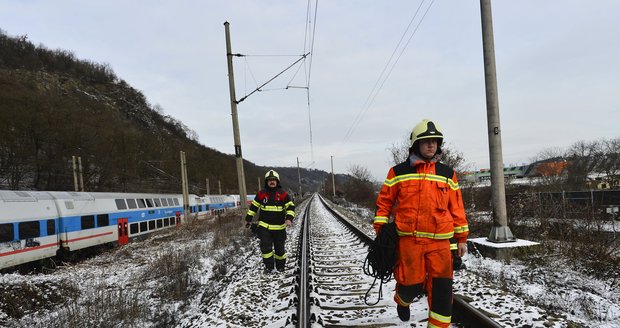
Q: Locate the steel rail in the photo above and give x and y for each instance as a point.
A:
(465, 312)
(303, 298)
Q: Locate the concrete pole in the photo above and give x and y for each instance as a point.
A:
(233, 107)
(81, 174)
(75, 178)
(333, 179)
(259, 185)
(219, 187)
(207, 186)
(299, 177)
(184, 185)
(500, 231)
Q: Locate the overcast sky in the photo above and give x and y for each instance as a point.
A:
(557, 69)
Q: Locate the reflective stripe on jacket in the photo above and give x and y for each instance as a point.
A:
(275, 206)
(425, 199)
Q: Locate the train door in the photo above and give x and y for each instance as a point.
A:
(123, 231)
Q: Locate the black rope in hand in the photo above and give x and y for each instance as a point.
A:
(379, 262)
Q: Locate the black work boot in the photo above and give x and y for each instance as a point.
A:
(280, 269)
(403, 312)
(267, 270)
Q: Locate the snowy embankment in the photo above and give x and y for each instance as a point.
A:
(210, 275)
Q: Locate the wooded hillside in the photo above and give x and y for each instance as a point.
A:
(54, 106)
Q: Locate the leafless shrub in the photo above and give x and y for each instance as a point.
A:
(224, 228)
(174, 268)
(106, 306)
(577, 232)
(39, 295)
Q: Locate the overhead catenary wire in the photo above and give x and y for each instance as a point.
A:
(306, 61)
(383, 77)
(310, 33)
(273, 78)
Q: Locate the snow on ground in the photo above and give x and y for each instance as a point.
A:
(205, 276)
(518, 295)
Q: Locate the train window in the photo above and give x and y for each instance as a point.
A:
(207, 207)
(143, 226)
(172, 221)
(133, 228)
(160, 223)
(6, 232)
(149, 202)
(152, 225)
(51, 227)
(157, 202)
(29, 229)
(176, 201)
(120, 204)
(103, 220)
(88, 222)
(141, 203)
(164, 202)
(131, 203)
(166, 222)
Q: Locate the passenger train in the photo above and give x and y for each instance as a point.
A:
(35, 225)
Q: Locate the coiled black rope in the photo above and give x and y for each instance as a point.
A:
(379, 262)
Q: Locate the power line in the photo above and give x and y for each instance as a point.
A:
(311, 32)
(273, 78)
(383, 77)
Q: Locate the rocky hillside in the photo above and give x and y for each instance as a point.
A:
(54, 106)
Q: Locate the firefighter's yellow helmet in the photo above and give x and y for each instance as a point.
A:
(425, 130)
(271, 174)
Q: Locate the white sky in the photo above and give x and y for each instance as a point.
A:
(557, 67)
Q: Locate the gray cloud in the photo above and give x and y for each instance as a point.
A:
(556, 60)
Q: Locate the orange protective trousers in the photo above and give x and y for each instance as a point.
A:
(423, 264)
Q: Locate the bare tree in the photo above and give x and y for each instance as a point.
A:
(360, 188)
(449, 156)
(610, 161)
(550, 168)
(399, 150)
(582, 157)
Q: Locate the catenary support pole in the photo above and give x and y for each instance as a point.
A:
(299, 177)
(500, 231)
(333, 180)
(81, 174)
(233, 107)
(75, 178)
(184, 185)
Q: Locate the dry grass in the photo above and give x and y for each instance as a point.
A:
(170, 278)
(579, 234)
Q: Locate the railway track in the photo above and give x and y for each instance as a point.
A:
(331, 284)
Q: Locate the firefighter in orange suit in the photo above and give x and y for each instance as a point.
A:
(424, 197)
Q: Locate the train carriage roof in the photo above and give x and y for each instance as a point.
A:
(24, 196)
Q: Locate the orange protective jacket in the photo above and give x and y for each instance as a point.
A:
(425, 199)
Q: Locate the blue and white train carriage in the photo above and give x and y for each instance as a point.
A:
(89, 219)
(218, 204)
(38, 224)
(28, 227)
